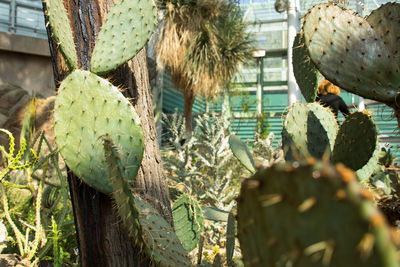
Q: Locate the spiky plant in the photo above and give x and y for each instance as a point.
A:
(202, 43)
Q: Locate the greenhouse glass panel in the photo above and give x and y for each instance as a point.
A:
(4, 16)
(269, 35)
(247, 73)
(275, 69)
(260, 11)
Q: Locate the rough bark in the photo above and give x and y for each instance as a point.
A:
(103, 240)
(189, 98)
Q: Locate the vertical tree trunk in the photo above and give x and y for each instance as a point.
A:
(189, 98)
(103, 240)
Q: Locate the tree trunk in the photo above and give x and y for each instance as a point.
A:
(189, 98)
(103, 240)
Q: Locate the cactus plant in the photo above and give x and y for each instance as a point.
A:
(86, 108)
(125, 30)
(62, 33)
(188, 221)
(357, 136)
(305, 72)
(241, 152)
(357, 54)
(308, 129)
(143, 222)
(311, 214)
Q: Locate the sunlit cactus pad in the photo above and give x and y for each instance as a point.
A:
(125, 30)
(349, 52)
(311, 215)
(308, 129)
(62, 33)
(386, 21)
(356, 141)
(86, 108)
(188, 221)
(304, 70)
(161, 242)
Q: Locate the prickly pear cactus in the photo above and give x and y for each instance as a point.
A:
(125, 30)
(305, 72)
(161, 242)
(86, 108)
(143, 222)
(383, 20)
(241, 152)
(62, 33)
(188, 221)
(356, 141)
(350, 52)
(365, 172)
(311, 214)
(309, 129)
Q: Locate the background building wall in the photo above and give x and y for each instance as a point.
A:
(25, 61)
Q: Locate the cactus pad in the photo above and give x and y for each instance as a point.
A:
(309, 129)
(59, 23)
(161, 242)
(188, 221)
(241, 152)
(383, 20)
(143, 222)
(356, 141)
(311, 215)
(364, 173)
(350, 53)
(86, 108)
(125, 30)
(304, 70)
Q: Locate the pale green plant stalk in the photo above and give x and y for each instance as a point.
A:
(39, 228)
(57, 252)
(18, 235)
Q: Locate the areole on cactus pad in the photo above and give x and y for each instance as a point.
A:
(86, 108)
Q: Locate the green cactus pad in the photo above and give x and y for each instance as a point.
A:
(356, 141)
(121, 190)
(144, 223)
(309, 129)
(161, 242)
(364, 173)
(350, 53)
(215, 214)
(385, 21)
(311, 215)
(304, 70)
(86, 108)
(126, 29)
(59, 23)
(188, 221)
(241, 152)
